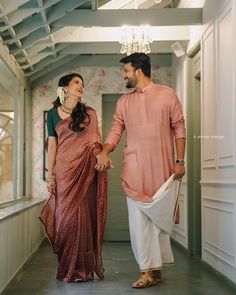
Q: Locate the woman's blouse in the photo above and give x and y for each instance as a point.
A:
(53, 119)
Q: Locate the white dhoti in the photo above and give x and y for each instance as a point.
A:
(150, 227)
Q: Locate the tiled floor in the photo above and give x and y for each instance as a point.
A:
(187, 276)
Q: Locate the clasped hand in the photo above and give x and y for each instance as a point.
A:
(103, 162)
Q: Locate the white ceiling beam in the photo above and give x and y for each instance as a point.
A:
(116, 4)
(47, 26)
(91, 48)
(111, 18)
(32, 24)
(33, 38)
(10, 6)
(114, 34)
(28, 26)
(53, 47)
(49, 3)
(94, 4)
(44, 17)
(17, 41)
(30, 30)
(38, 57)
(19, 15)
(151, 3)
(60, 9)
(50, 67)
(192, 3)
(111, 48)
(63, 33)
(46, 62)
(130, 4)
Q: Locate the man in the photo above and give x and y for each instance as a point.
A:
(152, 115)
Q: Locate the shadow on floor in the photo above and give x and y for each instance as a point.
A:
(187, 276)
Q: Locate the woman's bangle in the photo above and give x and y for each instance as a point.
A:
(50, 178)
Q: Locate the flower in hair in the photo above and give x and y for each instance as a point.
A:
(61, 94)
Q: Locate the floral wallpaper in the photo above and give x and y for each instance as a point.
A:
(98, 81)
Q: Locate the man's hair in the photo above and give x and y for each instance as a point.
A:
(139, 61)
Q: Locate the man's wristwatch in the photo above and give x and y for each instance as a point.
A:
(180, 162)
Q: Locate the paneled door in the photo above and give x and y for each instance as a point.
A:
(117, 215)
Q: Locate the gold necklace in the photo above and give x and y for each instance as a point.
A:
(69, 109)
(66, 110)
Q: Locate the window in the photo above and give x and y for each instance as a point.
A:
(12, 136)
(6, 155)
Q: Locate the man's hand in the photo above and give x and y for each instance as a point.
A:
(179, 171)
(103, 162)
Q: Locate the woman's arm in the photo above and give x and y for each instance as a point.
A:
(52, 150)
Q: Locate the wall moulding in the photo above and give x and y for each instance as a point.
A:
(216, 182)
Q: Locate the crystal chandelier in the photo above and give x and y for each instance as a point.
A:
(135, 39)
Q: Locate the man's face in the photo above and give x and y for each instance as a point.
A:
(130, 76)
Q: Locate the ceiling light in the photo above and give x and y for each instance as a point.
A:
(135, 39)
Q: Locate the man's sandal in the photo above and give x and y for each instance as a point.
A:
(157, 275)
(146, 280)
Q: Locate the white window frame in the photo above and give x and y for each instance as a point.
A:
(21, 135)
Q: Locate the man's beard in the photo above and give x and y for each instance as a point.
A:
(131, 83)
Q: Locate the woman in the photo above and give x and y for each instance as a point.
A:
(74, 215)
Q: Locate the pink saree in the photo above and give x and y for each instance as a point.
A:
(74, 218)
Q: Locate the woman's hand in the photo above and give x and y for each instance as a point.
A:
(103, 162)
(51, 185)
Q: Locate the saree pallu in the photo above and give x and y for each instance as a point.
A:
(74, 217)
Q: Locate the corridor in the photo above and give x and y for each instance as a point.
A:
(188, 276)
(191, 45)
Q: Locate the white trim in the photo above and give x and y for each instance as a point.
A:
(11, 63)
(219, 248)
(219, 257)
(221, 16)
(218, 182)
(19, 207)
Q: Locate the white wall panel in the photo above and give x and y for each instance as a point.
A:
(219, 240)
(226, 110)
(218, 96)
(219, 228)
(209, 105)
(3, 258)
(20, 236)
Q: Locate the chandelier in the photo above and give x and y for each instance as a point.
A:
(135, 39)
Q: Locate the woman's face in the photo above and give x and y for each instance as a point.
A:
(75, 88)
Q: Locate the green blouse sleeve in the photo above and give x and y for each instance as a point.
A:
(51, 123)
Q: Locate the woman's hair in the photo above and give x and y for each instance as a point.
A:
(79, 115)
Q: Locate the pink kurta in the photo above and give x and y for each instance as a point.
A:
(152, 118)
